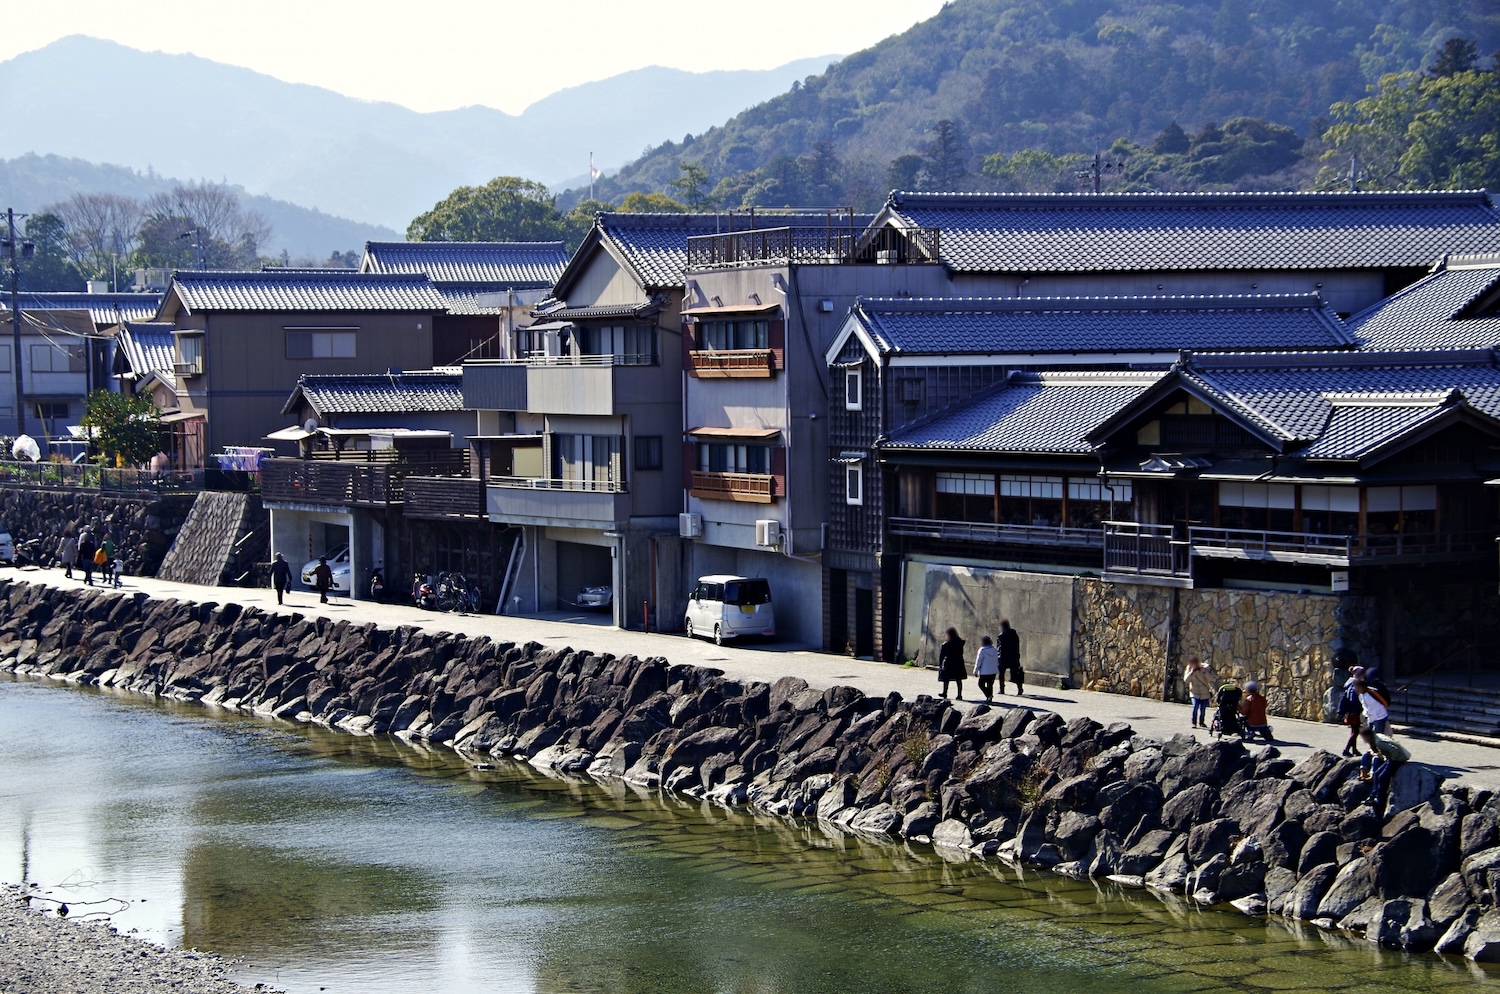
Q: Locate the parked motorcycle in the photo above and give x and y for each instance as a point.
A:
(34, 552)
(423, 592)
(377, 585)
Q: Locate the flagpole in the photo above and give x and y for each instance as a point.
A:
(591, 175)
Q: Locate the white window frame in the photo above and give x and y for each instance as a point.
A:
(854, 381)
(854, 484)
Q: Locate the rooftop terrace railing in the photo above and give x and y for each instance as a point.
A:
(808, 245)
(108, 479)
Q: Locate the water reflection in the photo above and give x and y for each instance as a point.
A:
(329, 861)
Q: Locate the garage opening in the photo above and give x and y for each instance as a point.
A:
(580, 567)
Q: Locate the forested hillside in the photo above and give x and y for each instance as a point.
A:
(1244, 83)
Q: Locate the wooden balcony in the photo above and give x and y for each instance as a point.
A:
(750, 488)
(707, 364)
(1339, 550)
(1142, 553)
(993, 534)
(444, 497)
(359, 478)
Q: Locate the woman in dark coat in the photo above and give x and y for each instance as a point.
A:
(951, 663)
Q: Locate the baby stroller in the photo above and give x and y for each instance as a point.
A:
(1227, 718)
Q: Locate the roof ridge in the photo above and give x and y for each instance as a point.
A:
(558, 243)
(1226, 301)
(1238, 198)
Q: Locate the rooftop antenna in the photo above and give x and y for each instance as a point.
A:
(1356, 175)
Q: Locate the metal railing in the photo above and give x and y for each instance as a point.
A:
(549, 483)
(83, 476)
(1133, 547)
(971, 531)
(1336, 549)
(603, 359)
(830, 245)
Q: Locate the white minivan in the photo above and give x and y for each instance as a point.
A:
(730, 607)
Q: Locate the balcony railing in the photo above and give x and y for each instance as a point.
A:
(708, 364)
(810, 245)
(548, 483)
(444, 497)
(993, 534)
(607, 359)
(753, 488)
(75, 476)
(1135, 549)
(1245, 543)
(376, 478)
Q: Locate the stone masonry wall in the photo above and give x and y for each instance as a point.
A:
(142, 527)
(222, 538)
(1127, 641)
(1217, 822)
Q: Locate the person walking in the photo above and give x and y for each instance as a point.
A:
(951, 663)
(1351, 715)
(86, 550)
(322, 579)
(1377, 708)
(1010, 657)
(987, 667)
(67, 554)
(1200, 682)
(281, 576)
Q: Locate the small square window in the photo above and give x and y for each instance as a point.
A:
(648, 452)
(853, 390)
(854, 484)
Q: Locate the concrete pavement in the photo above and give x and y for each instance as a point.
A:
(1473, 764)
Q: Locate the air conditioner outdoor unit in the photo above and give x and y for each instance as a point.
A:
(690, 525)
(768, 532)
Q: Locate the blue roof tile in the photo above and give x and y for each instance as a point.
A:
(148, 347)
(497, 265)
(1030, 413)
(1457, 307)
(1135, 232)
(424, 391)
(1031, 325)
(304, 290)
(104, 308)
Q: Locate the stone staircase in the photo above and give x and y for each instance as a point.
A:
(224, 539)
(1449, 711)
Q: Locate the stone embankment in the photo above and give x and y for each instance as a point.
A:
(142, 528)
(1213, 821)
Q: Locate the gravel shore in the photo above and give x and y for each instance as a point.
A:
(41, 953)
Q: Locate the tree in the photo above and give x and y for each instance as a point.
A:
(692, 186)
(506, 209)
(903, 171)
(102, 228)
(1457, 55)
(200, 224)
(650, 203)
(947, 156)
(1172, 140)
(1420, 131)
(125, 426)
(50, 268)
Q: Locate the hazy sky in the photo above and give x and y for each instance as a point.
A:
(440, 54)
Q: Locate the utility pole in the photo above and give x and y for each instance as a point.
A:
(1098, 168)
(15, 315)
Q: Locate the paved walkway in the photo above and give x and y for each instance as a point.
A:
(1472, 764)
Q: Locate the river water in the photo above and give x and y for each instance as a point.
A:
(333, 863)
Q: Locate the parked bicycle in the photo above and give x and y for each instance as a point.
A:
(455, 594)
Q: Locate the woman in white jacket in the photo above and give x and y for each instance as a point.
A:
(987, 667)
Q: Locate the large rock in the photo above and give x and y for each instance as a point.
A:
(1307, 895)
(1403, 924)
(952, 834)
(1483, 942)
(1255, 804)
(921, 820)
(879, 820)
(1137, 804)
(1480, 831)
(1278, 887)
(1351, 888)
(1211, 838)
(1282, 845)
(1191, 806)
(1412, 863)
(1412, 784)
(1212, 763)
(1448, 900)
(1481, 873)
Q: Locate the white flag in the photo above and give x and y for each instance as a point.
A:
(594, 172)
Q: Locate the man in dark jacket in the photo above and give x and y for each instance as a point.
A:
(951, 663)
(86, 550)
(1009, 644)
(322, 579)
(281, 576)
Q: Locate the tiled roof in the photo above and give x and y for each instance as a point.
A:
(948, 326)
(104, 308)
(148, 347)
(466, 299)
(1457, 307)
(1355, 430)
(498, 265)
(1027, 233)
(1029, 413)
(305, 290)
(654, 246)
(435, 391)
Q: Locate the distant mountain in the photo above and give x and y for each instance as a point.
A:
(1057, 76)
(30, 182)
(186, 116)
